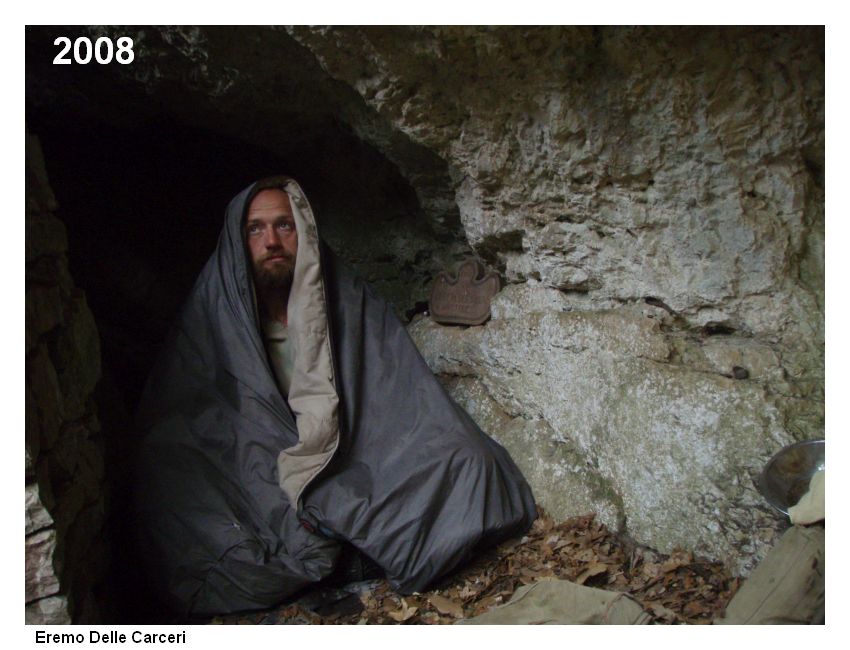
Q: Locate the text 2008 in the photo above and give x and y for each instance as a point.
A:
(103, 50)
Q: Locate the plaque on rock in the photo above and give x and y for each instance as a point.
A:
(464, 298)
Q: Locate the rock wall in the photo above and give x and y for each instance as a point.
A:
(65, 495)
(260, 86)
(654, 198)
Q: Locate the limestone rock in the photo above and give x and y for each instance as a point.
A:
(37, 516)
(76, 353)
(29, 463)
(41, 578)
(558, 471)
(44, 401)
(591, 168)
(722, 355)
(617, 425)
(48, 611)
(64, 464)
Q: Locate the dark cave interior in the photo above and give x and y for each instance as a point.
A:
(142, 193)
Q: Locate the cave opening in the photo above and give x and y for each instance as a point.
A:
(142, 195)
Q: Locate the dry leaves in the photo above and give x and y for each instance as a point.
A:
(406, 612)
(446, 606)
(673, 588)
(594, 569)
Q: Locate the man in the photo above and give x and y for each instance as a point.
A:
(290, 414)
(272, 242)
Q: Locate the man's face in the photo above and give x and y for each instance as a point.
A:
(271, 239)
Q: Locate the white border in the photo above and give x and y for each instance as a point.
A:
(439, 12)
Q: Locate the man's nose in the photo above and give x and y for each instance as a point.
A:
(272, 238)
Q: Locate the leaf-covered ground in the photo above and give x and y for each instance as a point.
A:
(675, 588)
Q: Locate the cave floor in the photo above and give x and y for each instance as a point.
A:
(673, 589)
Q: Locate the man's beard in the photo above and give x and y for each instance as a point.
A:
(276, 276)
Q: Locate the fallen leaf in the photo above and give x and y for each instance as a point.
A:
(652, 570)
(530, 573)
(660, 611)
(672, 564)
(446, 606)
(405, 613)
(694, 608)
(674, 588)
(487, 603)
(593, 570)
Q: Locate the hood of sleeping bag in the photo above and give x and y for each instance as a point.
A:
(235, 480)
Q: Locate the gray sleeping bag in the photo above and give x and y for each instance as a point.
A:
(235, 481)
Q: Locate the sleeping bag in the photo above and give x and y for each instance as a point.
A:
(245, 495)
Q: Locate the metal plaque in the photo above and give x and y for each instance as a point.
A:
(463, 298)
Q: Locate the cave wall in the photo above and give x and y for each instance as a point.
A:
(65, 492)
(653, 198)
(396, 225)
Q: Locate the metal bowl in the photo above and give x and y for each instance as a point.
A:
(786, 476)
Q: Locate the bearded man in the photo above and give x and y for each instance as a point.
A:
(272, 243)
(290, 416)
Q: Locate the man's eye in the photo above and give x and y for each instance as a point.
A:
(285, 226)
(253, 229)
